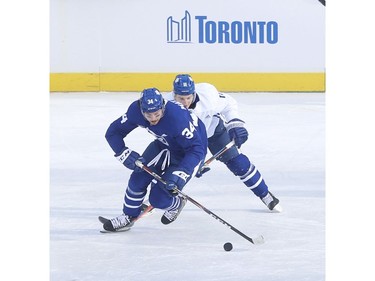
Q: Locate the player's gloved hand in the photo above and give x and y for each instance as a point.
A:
(202, 170)
(175, 179)
(237, 131)
(128, 157)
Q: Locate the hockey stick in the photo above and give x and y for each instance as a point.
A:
(217, 154)
(257, 240)
(208, 161)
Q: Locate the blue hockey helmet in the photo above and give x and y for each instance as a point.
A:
(151, 100)
(183, 85)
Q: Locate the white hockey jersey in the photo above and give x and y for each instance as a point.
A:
(211, 106)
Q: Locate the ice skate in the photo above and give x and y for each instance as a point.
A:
(172, 214)
(272, 203)
(119, 223)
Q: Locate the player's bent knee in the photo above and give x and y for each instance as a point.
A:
(239, 165)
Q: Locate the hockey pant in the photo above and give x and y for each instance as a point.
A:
(160, 160)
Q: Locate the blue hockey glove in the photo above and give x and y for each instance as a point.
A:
(176, 179)
(237, 131)
(202, 170)
(128, 157)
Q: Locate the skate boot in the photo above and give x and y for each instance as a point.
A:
(118, 223)
(171, 214)
(272, 203)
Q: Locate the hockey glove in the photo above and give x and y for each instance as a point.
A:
(128, 157)
(175, 180)
(237, 131)
(202, 170)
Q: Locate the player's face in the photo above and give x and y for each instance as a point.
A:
(185, 100)
(154, 117)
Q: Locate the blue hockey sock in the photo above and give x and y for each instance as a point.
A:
(248, 174)
(133, 201)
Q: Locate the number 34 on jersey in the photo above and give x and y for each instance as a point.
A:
(189, 132)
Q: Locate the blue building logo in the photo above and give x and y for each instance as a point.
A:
(209, 31)
(179, 31)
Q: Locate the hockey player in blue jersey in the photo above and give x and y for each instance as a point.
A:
(177, 152)
(219, 113)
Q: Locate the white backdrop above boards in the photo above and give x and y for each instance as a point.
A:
(107, 42)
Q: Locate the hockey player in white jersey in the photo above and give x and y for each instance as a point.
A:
(219, 113)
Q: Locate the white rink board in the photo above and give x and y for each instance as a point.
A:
(132, 36)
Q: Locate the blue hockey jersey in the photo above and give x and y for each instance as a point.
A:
(179, 130)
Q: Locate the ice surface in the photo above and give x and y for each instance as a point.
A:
(287, 145)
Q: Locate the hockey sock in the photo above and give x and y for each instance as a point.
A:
(133, 201)
(248, 174)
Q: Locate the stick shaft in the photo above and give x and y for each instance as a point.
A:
(218, 154)
(212, 214)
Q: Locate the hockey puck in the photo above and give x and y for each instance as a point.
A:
(228, 246)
